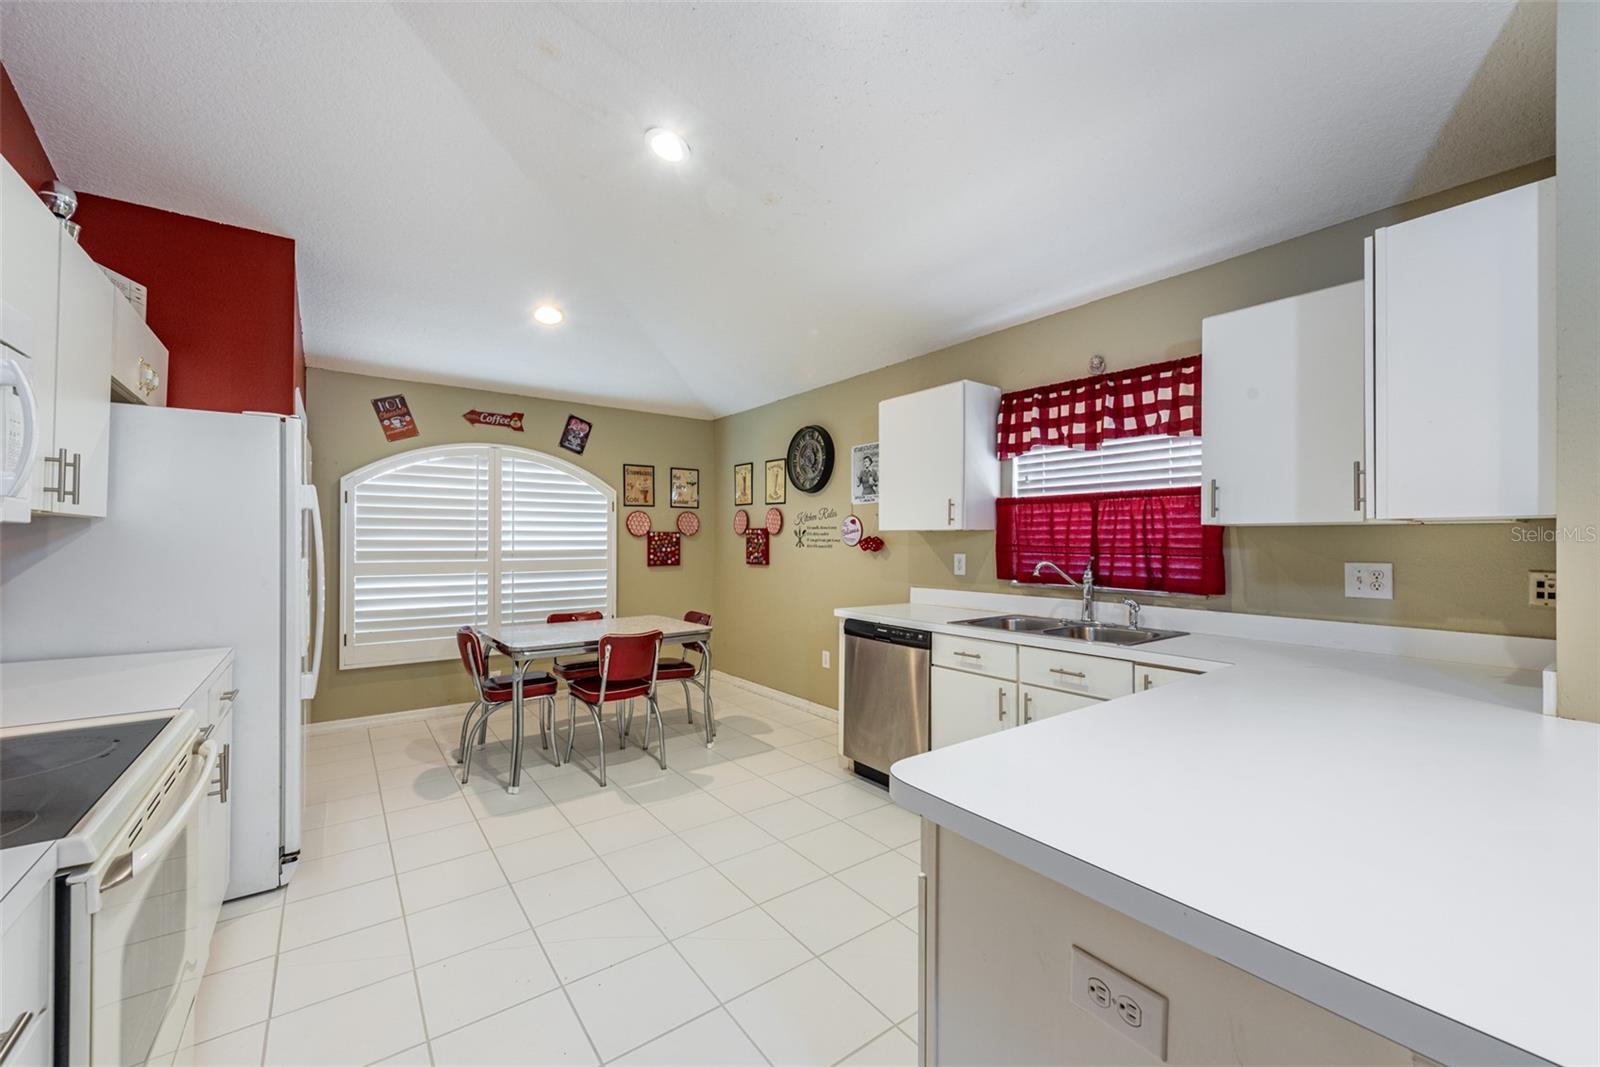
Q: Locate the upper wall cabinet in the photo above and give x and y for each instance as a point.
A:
(1463, 360)
(1285, 393)
(937, 461)
(30, 250)
(138, 359)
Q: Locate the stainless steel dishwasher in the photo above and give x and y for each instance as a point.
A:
(885, 695)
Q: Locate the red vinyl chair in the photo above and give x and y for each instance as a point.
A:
(574, 668)
(495, 692)
(697, 674)
(627, 672)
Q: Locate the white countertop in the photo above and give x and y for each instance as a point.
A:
(1398, 840)
(21, 862)
(55, 690)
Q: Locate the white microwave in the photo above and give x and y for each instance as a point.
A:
(19, 435)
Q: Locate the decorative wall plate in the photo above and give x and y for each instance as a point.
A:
(810, 459)
(741, 521)
(774, 522)
(638, 523)
(850, 531)
(688, 523)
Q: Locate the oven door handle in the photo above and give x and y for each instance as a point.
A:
(140, 856)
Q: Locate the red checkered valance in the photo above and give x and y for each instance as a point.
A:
(1156, 398)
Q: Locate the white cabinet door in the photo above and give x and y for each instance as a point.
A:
(1285, 403)
(937, 461)
(30, 249)
(1464, 360)
(1145, 677)
(963, 706)
(84, 340)
(138, 358)
(1041, 703)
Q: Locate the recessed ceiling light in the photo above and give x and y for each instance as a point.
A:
(548, 315)
(668, 145)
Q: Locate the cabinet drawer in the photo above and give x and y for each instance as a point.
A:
(25, 968)
(1076, 673)
(1145, 677)
(993, 658)
(1041, 703)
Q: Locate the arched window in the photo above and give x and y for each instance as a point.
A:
(439, 538)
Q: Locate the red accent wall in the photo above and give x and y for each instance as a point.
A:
(222, 299)
(19, 141)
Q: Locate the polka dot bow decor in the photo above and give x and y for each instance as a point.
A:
(663, 548)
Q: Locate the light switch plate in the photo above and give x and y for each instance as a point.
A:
(961, 564)
(1132, 1009)
(1369, 581)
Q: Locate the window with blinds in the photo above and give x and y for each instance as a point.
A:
(441, 538)
(1119, 465)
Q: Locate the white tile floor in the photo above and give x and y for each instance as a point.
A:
(751, 904)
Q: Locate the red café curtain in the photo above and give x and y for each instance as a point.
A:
(1151, 539)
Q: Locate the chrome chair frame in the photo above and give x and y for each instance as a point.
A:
(483, 707)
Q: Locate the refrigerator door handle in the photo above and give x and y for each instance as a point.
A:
(309, 504)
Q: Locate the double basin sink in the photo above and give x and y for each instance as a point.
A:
(1100, 632)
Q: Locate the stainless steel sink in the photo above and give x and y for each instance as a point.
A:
(1029, 624)
(1109, 633)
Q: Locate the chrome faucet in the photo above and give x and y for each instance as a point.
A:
(1087, 585)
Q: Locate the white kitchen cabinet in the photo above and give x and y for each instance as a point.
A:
(1074, 672)
(1039, 702)
(1463, 362)
(1285, 401)
(84, 339)
(1148, 677)
(30, 248)
(963, 706)
(138, 358)
(938, 467)
(998, 659)
(26, 971)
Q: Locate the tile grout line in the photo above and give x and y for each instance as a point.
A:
(405, 925)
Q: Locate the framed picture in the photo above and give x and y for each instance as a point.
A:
(777, 482)
(685, 487)
(575, 438)
(638, 485)
(744, 477)
(864, 474)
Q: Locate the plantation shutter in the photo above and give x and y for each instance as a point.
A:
(555, 542)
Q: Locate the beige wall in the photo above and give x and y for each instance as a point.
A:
(1578, 358)
(773, 623)
(345, 436)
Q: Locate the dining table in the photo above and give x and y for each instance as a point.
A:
(527, 643)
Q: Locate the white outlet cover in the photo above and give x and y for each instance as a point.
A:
(1117, 1000)
(1369, 581)
(961, 564)
(827, 659)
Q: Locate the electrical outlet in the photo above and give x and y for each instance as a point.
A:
(1371, 581)
(1541, 589)
(827, 659)
(1133, 1010)
(961, 564)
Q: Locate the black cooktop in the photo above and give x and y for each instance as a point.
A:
(49, 781)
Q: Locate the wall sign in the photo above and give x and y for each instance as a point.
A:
(638, 485)
(817, 529)
(850, 531)
(394, 415)
(864, 474)
(685, 487)
(575, 435)
(777, 484)
(744, 476)
(513, 421)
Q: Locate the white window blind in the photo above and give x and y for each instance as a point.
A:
(1119, 465)
(440, 538)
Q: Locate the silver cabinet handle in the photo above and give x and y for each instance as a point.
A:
(1360, 497)
(1069, 674)
(230, 695)
(1213, 498)
(14, 1035)
(224, 774)
(1027, 707)
(1148, 682)
(77, 473)
(59, 490)
(1001, 704)
(950, 512)
(968, 655)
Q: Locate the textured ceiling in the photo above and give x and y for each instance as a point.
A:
(868, 181)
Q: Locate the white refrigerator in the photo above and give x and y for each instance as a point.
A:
(212, 538)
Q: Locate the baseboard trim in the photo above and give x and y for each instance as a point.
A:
(387, 718)
(822, 711)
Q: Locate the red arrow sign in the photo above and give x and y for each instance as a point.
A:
(512, 421)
